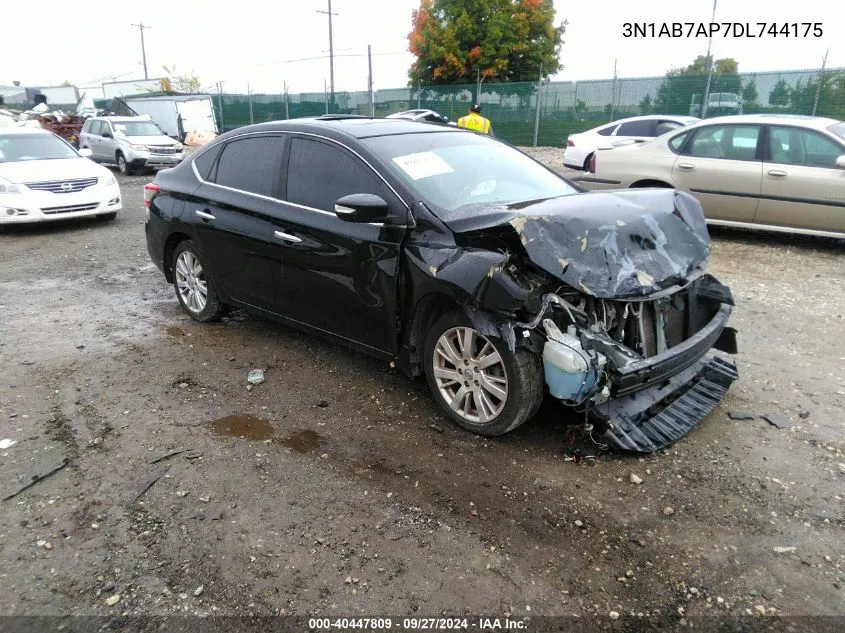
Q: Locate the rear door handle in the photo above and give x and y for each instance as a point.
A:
(286, 237)
(777, 173)
(686, 166)
(204, 215)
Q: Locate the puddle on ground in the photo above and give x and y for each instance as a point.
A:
(175, 331)
(303, 442)
(247, 426)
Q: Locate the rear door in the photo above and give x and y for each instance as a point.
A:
(340, 277)
(721, 165)
(232, 213)
(802, 187)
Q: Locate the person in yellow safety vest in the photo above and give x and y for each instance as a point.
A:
(474, 121)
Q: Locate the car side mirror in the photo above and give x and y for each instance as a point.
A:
(362, 208)
(85, 152)
(840, 162)
(107, 135)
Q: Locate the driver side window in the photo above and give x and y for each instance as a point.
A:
(320, 173)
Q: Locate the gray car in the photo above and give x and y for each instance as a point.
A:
(134, 144)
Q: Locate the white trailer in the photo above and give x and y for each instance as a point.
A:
(135, 87)
(177, 115)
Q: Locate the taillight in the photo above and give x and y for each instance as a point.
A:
(570, 142)
(150, 190)
(593, 164)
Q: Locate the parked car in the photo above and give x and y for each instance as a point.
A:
(718, 104)
(134, 144)
(581, 147)
(43, 178)
(463, 260)
(421, 115)
(777, 172)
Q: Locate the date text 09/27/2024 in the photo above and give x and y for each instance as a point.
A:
(415, 624)
(723, 29)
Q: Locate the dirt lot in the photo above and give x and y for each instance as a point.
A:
(339, 490)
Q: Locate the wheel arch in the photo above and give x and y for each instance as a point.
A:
(173, 240)
(428, 309)
(651, 182)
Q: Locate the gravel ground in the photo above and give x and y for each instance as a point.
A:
(336, 488)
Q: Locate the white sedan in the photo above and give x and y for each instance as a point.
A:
(43, 178)
(580, 147)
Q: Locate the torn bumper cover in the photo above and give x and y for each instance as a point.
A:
(661, 415)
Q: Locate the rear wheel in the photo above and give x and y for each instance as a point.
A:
(477, 381)
(194, 287)
(587, 162)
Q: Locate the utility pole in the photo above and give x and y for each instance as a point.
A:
(141, 28)
(331, 47)
(537, 115)
(706, 98)
(371, 100)
(220, 99)
(478, 85)
(419, 94)
(613, 92)
(249, 97)
(326, 93)
(287, 111)
(819, 83)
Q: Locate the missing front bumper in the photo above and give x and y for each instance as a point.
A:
(656, 417)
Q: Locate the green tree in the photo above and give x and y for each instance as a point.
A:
(749, 97)
(831, 96)
(174, 82)
(646, 105)
(780, 94)
(460, 41)
(682, 85)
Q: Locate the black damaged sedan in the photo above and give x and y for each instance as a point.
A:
(462, 259)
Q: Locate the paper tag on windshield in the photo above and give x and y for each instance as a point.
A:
(423, 165)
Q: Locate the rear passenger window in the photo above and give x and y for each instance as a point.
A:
(677, 142)
(636, 128)
(319, 174)
(205, 161)
(729, 142)
(251, 164)
(607, 131)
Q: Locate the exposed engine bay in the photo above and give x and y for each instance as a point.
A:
(615, 300)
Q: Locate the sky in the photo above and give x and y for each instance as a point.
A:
(249, 44)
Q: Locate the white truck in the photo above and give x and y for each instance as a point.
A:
(177, 115)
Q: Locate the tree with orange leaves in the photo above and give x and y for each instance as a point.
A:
(458, 41)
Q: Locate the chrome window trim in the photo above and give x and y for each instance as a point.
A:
(294, 204)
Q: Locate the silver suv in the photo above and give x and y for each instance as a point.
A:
(132, 143)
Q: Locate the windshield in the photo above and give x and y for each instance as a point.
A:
(19, 147)
(838, 129)
(453, 171)
(137, 128)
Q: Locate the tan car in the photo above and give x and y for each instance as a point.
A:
(768, 171)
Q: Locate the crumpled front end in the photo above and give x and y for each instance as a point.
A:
(611, 291)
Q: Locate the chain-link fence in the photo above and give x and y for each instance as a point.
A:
(545, 113)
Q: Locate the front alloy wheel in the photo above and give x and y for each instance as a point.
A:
(470, 375)
(480, 384)
(193, 285)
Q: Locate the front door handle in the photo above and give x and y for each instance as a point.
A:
(286, 237)
(686, 166)
(204, 215)
(777, 173)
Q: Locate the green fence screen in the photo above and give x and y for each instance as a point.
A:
(556, 109)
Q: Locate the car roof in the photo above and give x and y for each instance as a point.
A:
(23, 130)
(815, 122)
(358, 127)
(122, 118)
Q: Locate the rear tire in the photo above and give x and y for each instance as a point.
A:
(193, 285)
(587, 162)
(477, 381)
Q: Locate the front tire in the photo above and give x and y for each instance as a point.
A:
(477, 381)
(123, 166)
(194, 287)
(108, 216)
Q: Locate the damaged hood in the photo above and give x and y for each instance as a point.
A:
(607, 244)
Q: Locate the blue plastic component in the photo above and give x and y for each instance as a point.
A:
(567, 385)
